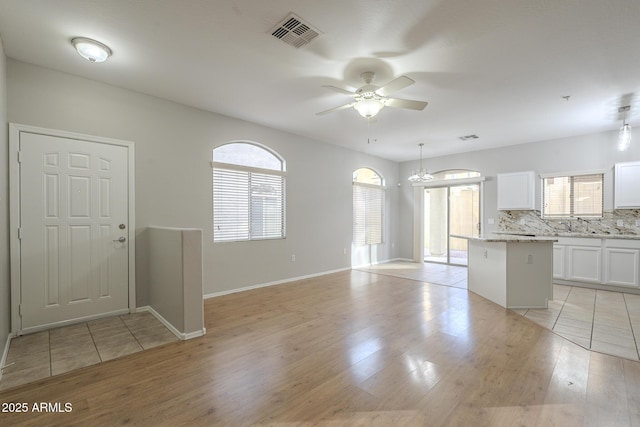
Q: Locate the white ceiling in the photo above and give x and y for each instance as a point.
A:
(495, 68)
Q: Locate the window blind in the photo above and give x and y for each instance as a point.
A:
(368, 214)
(573, 196)
(247, 205)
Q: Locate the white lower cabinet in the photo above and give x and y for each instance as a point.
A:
(584, 263)
(614, 262)
(621, 263)
(558, 261)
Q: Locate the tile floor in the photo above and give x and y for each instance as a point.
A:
(437, 274)
(603, 321)
(56, 351)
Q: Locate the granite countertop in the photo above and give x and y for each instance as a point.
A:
(507, 238)
(576, 234)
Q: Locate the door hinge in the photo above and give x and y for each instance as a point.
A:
(19, 156)
(20, 233)
(20, 309)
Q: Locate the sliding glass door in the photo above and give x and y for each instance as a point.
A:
(451, 209)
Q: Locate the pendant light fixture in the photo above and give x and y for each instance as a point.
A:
(91, 50)
(624, 136)
(420, 175)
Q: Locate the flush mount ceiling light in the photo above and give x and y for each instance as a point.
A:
(624, 136)
(420, 175)
(91, 50)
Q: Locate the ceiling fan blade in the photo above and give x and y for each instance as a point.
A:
(340, 90)
(406, 103)
(331, 110)
(395, 85)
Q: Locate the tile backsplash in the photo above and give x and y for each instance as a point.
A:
(530, 222)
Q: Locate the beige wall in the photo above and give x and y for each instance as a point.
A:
(173, 146)
(585, 152)
(5, 285)
(175, 275)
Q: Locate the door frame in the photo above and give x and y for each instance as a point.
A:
(418, 208)
(15, 129)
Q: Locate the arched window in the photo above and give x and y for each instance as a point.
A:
(368, 207)
(456, 174)
(248, 193)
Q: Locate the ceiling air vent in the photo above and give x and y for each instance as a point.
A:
(468, 137)
(294, 31)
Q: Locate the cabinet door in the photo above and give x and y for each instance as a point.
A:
(558, 261)
(516, 191)
(621, 266)
(627, 185)
(584, 263)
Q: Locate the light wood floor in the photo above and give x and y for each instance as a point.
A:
(603, 321)
(351, 348)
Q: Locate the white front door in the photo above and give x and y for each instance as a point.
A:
(74, 230)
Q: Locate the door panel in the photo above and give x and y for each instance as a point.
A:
(73, 197)
(52, 264)
(450, 210)
(436, 224)
(464, 205)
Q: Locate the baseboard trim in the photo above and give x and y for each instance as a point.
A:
(598, 286)
(278, 282)
(181, 335)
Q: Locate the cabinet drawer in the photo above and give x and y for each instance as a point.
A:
(580, 241)
(622, 243)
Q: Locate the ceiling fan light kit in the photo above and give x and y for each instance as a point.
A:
(369, 99)
(369, 107)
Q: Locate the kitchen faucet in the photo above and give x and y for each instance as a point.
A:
(567, 226)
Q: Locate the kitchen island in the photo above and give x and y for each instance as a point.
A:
(510, 270)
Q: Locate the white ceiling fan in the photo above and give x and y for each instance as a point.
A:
(370, 99)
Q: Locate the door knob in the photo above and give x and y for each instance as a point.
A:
(121, 239)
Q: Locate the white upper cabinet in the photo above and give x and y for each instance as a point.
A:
(516, 191)
(627, 185)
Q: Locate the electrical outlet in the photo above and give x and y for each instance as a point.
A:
(490, 221)
(293, 258)
(344, 251)
(522, 221)
(529, 259)
(637, 222)
(619, 223)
